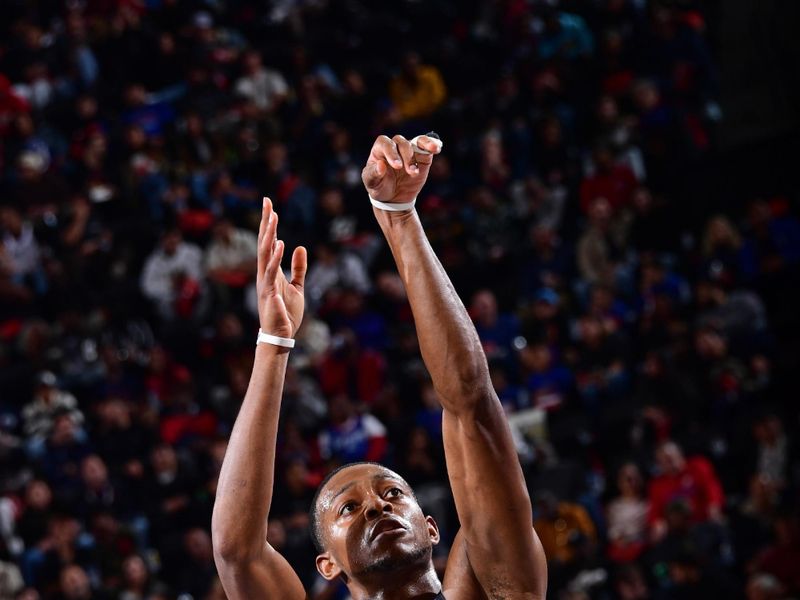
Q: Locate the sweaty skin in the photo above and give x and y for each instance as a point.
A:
(376, 538)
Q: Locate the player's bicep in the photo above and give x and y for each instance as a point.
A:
(269, 576)
(492, 501)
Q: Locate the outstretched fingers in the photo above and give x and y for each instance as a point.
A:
(268, 248)
(264, 250)
(274, 265)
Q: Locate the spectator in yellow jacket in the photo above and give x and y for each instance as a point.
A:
(418, 90)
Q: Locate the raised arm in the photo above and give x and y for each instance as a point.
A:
(488, 486)
(248, 566)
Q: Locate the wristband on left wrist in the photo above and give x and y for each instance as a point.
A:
(266, 338)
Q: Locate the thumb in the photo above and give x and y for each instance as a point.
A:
(299, 267)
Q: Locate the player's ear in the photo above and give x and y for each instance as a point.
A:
(433, 530)
(327, 567)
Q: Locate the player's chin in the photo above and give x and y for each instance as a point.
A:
(396, 556)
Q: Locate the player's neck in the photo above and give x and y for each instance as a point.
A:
(421, 583)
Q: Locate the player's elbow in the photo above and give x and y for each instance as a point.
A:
(230, 552)
(467, 394)
(229, 547)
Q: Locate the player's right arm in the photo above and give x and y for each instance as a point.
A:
(248, 566)
(497, 541)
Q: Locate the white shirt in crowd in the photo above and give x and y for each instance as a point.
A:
(263, 88)
(161, 268)
(243, 246)
(627, 519)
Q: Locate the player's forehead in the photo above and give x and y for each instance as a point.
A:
(351, 477)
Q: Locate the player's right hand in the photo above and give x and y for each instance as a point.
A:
(280, 301)
(394, 172)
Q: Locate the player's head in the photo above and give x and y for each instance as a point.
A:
(365, 520)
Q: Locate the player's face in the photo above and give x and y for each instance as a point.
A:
(371, 523)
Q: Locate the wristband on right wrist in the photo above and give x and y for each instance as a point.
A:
(392, 206)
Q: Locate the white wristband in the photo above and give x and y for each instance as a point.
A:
(265, 338)
(393, 206)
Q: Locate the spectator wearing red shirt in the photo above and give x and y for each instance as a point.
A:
(614, 182)
(691, 480)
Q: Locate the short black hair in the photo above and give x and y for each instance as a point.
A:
(316, 534)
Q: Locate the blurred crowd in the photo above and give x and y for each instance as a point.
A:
(644, 345)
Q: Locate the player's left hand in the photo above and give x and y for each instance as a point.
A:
(280, 301)
(394, 172)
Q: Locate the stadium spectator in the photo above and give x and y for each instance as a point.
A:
(680, 479)
(418, 90)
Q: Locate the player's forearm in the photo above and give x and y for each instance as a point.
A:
(449, 343)
(244, 490)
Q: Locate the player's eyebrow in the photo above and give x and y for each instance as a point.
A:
(386, 477)
(343, 489)
(376, 477)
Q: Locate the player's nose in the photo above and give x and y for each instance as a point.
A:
(376, 507)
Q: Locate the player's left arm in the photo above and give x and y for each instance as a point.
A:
(487, 481)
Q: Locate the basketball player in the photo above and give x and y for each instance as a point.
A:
(371, 533)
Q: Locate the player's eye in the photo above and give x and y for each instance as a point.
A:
(394, 492)
(347, 508)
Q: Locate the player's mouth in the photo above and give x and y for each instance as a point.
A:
(387, 526)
